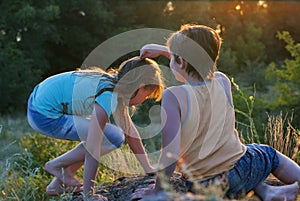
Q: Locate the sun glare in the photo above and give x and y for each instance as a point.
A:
(169, 7)
(18, 37)
(238, 7)
(262, 4)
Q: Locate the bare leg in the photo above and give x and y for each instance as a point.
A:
(56, 186)
(58, 166)
(277, 193)
(70, 162)
(287, 172)
(65, 166)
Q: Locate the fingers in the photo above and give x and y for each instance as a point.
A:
(144, 54)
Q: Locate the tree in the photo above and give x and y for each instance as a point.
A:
(40, 38)
(286, 77)
(24, 28)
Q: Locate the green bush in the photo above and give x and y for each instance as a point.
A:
(23, 176)
(285, 75)
(45, 148)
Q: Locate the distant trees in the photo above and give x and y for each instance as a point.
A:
(26, 28)
(39, 38)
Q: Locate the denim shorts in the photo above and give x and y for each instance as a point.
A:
(71, 127)
(254, 167)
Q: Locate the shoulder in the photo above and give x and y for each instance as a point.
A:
(221, 75)
(108, 101)
(173, 92)
(61, 75)
(106, 81)
(173, 95)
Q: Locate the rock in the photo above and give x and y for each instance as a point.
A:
(122, 188)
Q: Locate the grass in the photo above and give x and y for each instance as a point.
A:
(281, 135)
(12, 128)
(24, 152)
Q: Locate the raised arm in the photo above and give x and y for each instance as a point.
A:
(154, 50)
(93, 147)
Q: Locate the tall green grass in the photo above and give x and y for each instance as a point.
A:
(12, 128)
(24, 152)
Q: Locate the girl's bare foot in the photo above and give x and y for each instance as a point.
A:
(279, 193)
(62, 174)
(56, 187)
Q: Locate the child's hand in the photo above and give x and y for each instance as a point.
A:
(153, 50)
(143, 192)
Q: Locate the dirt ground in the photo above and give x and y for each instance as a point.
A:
(122, 188)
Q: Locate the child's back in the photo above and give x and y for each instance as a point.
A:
(208, 120)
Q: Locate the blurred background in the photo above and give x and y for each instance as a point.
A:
(44, 37)
(260, 53)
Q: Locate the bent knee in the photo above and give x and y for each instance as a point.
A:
(114, 135)
(119, 143)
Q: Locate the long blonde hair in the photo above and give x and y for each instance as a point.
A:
(131, 75)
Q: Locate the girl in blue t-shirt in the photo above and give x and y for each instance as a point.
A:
(59, 107)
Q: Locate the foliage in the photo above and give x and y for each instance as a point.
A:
(228, 60)
(244, 105)
(287, 75)
(41, 38)
(22, 180)
(250, 46)
(45, 37)
(44, 148)
(16, 69)
(24, 177)
(11, 130)
(25, 29)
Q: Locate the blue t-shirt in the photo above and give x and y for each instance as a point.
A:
(73, 93)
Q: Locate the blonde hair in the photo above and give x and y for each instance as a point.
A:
(131, 75)
(137, 72)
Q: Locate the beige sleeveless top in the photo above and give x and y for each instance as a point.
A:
(209, 141)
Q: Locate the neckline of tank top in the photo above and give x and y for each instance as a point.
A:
(199, 83)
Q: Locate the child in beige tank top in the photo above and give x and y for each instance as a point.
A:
(198, 122)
